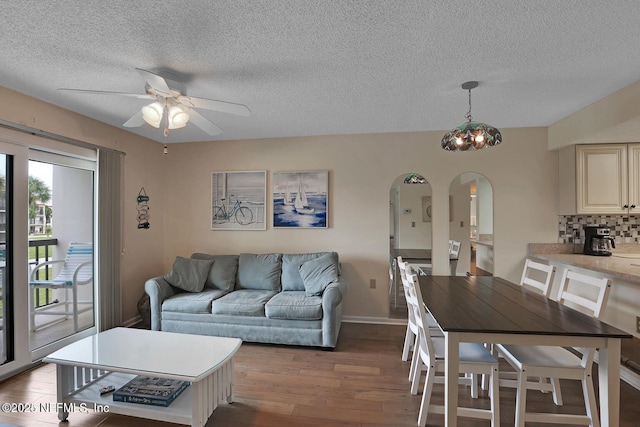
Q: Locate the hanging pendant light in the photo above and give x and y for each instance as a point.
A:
(471, 135)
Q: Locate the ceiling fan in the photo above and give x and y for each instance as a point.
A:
(172, 108)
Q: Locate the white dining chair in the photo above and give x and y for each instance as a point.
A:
(454, 249)
(475, 359)
(537, 277)
(412, 328)
(557, 362)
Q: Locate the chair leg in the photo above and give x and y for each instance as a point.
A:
(474, 386)
(408, 338)
(494, 384)
(557, 392)
(32, 310)
(426, 396)
(590, 401)
(521, 398)
(414, 359)
(415, 380)
(75, 308)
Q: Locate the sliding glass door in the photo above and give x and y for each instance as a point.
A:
(47, 214)
(61, 248)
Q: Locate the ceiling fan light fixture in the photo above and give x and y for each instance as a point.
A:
(471, 135)
(152, 114)
(178, 116)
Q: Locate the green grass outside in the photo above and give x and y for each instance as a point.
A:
(43, 299)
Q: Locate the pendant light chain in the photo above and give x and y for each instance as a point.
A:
(468, 115)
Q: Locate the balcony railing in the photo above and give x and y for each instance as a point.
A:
(43, 252)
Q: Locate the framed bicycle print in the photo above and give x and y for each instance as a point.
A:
(300, 199)
(238, 200)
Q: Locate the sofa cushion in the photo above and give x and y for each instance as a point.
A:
(294, 305)
(318, 273)
(192, 302)
(189, 274)
(223, 273)
(245, 302)
(260, 271)
(291, 279)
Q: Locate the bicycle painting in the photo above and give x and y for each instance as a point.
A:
(238, 200)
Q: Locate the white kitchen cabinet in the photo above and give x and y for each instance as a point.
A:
(607, 179)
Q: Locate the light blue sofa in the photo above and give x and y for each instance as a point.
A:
(293, 299)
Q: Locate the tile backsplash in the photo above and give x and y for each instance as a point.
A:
(625, 229)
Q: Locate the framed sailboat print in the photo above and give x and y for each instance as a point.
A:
(300, 199)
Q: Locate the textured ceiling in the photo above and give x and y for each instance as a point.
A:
(326, 67)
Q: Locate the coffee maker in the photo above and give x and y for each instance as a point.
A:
(597, 240)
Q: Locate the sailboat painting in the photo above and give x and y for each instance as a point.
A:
(300, 199)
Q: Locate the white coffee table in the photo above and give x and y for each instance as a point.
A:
(116, 356)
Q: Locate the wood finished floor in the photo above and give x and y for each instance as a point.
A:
(363, 383)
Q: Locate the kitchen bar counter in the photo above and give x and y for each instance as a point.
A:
(623, 264)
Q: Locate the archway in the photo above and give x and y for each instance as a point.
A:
(471, 215)
(409, 229)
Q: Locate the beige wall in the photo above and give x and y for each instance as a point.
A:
(362, 169)
(144, 166)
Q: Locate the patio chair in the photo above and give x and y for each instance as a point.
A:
(76, 270)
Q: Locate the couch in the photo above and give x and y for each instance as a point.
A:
(293, 299)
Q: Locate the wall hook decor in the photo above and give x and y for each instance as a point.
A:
(143, 209)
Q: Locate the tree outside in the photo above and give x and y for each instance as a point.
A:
(39, 193)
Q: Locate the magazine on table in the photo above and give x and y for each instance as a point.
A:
(150, 391)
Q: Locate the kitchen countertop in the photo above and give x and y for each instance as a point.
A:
(623, 264)
(483, 242)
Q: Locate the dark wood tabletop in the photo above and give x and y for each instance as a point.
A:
(493, 305)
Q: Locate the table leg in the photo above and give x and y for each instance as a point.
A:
(64, 381)
(452, 363)
(609, 382)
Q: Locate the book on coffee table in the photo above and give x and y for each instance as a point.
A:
(150, 391)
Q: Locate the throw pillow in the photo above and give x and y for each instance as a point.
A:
(189, 274)
(318, 273)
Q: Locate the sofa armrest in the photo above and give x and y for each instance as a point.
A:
(158, 290)
(332, 298)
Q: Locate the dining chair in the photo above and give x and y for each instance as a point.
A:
(475, 359)
(412, 329)
(535, 276)
(76, 270)
(557, 362)
(454, 249)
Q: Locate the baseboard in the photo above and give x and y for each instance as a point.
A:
(132, 322)
(630, 377)
(374, 320)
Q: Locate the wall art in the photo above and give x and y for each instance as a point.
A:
(300, 199)
(238, 200)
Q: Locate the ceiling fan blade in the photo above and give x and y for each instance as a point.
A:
(212, 104)
(135, 121)
(104, 92)
(155, 81)
(204, 123)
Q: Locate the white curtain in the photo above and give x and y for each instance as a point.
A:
(110, 214)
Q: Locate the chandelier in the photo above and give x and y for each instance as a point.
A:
(471, 135)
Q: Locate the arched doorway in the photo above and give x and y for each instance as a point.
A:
(409, 229)
(471, 214)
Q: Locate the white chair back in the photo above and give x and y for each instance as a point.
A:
(538, 276)
(420, 314)
(78, 264)
(454, 249)
(594, 292)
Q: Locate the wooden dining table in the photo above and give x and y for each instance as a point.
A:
(489, 309)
